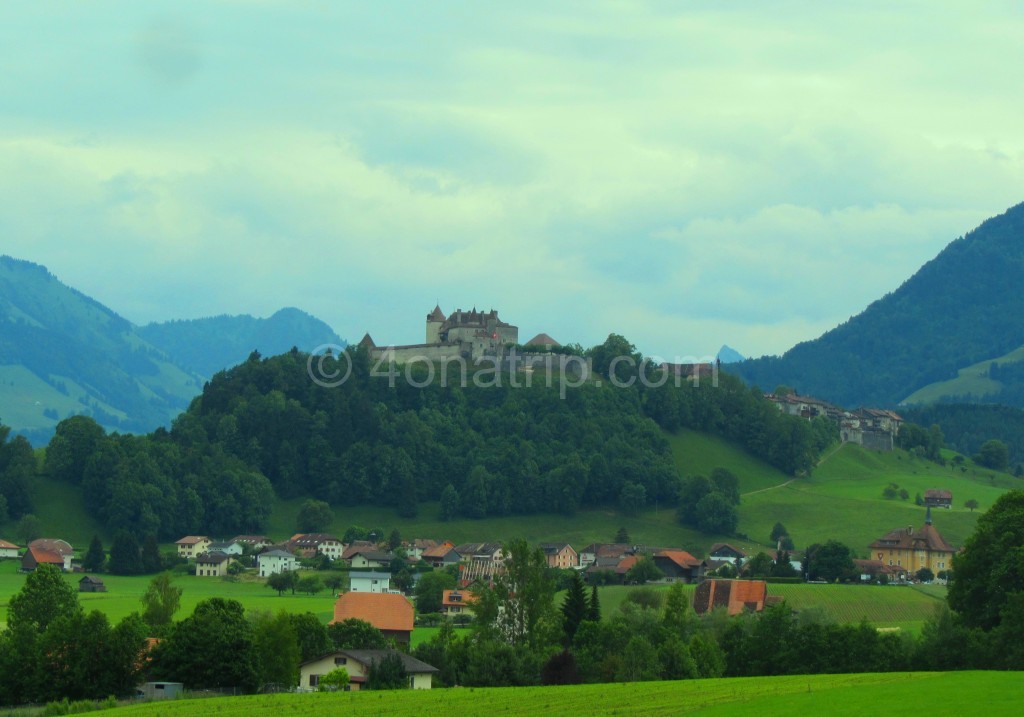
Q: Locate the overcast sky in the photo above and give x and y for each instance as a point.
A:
(687, 174)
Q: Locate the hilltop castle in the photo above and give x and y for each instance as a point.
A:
(468, 335)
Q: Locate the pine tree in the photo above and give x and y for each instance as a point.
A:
(95, 556)
(574, 608)
(594, 606)
(125, 555)
(622, 536)
(151, 560)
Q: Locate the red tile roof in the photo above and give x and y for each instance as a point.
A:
(385, 611)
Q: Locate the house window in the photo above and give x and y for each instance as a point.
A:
(314, 680)
(340, 660)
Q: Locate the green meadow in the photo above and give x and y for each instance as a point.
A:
(997, 693)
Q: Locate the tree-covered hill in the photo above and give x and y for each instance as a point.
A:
(265, 427)
(209, 345)
(960, 308)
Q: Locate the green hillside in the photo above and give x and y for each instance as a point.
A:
(972, 381)
(856, 695)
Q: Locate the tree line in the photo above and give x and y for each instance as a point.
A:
(264, 428)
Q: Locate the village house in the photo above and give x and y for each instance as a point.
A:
(936, 498)
(192, 545)
(357, 664)
(230, 547)
(491, 552)
(725, 553)
(52, 551)
(679, 565)
(271, 562)
(561, 556)
(90, 584)
(441, 556)
(390, 613)
(590, 554)
(255, 543)
(363, 582)
(310, 544)
(8, 550)
(874, 570)
(457, 602)
(367, 559)
(212, 564)
(913, 550)
(735, 596)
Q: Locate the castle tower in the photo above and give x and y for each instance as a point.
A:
(434, 320)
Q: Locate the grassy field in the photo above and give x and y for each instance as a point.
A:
(971, 380)
(124, 594)
(885, 606)
(998, 693)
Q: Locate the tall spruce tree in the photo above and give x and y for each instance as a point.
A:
(574, 608)
(594, 605)
(125, 555)
(95, 556)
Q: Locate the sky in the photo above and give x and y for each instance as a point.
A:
(686, 174)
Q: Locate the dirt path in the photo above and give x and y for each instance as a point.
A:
(773, 487)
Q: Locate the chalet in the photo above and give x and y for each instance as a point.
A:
(735, 596)
(192, 545)
(212, 564)
(680, 565)
(723, 552)
(311, 544)
(231, 547)
(254, 543)
(935, 498)
(362, 582)
(355, 546)
(8, 550)
(34, 557)
(357, 664)
(913, 550)
(90, 584)
(391, 614)
(441, 556)
(271, 562)
(492, 552)
(457, 602)
(369, 559)
(560, 555)
(592, 552)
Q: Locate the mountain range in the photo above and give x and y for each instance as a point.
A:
(949, 333)
(63, 353)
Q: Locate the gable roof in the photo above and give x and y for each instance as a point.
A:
(717, 547)
(214, 558)
(90, 579)
(368, 657)
(555, 548)
(680, 557)
(927, 538)
(192, 540)
(53, 545)
(385, 611)
(275, 554)
(4, 545)
(939, 494)
(439, 551)
(41, 555)
(250, 539)
(542, 339)
(374, 554)
(734, 595)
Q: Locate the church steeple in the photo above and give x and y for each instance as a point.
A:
(928, 516)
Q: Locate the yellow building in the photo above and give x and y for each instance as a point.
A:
(915, 549)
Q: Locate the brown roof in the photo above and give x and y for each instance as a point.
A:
(356, 546)
(734, 595)
(367, 342)
(467, 597)
(438, 551)
(41, 555)
(719, 546)
(8, 546)
(626, 563)
(385, 611)
(680, 557)
(607, 550)
(191, 540)
(938, 494)
(542, 340)
(53, 545)
(436, 314)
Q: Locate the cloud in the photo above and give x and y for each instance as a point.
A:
(684, 175)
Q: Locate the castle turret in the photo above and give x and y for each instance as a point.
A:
(434, 320)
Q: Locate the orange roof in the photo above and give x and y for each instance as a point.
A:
(466, 597)
(680, 557)
(438, 551)
(385, 611)
(46, 556)
(744, 591)
(8, 546)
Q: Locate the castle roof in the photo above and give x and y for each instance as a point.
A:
(542, 340)
(436, 314)
(367, 342)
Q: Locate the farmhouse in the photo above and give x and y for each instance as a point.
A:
(212, 564)
(441, 555)
(680, 565)
(48, 550)
(192, 545)
(275, 561)
(935, 498)
(357, 663)
(391, 614)
(913, 550)
(8, 550)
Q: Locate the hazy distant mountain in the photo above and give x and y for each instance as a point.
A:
(63, 353)
(963, 307)
(726, 354)
(207, 346)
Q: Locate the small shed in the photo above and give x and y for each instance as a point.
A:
(160, 690)
(89, 584)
